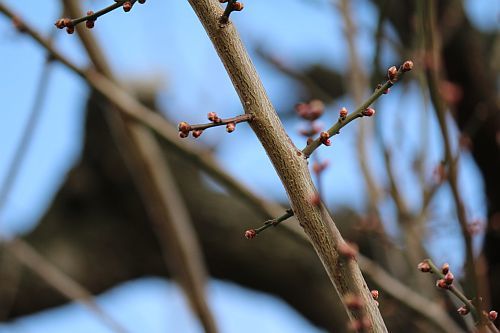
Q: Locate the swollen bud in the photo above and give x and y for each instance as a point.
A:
(463, 310)
(197, 133)
(250, 234)
(424, 267)
(230, 127)
(407, 66)
(368, 112)
(238, 6)
(392, 72)
(343, 113)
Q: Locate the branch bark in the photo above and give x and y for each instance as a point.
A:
(288, 161)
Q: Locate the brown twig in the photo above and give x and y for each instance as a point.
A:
(427, 308)
(196, 130)
(252, 233)
(91, 16)
(362, 110)
(446, 281)
(132, 108)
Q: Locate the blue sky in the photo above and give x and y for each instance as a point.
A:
(164, 40)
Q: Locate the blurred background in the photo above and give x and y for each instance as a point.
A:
(77, 218)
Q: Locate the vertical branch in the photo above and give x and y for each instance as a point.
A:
(153, 179)
(288, 161)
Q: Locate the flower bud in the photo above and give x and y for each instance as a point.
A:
(369, 112)
(343, 113)
(184, 127)
(230, 127)
(61, 23)
(492, 315)
(445, 268)
(463, 310)
(407, 66)
(441, 283)
(324, 138)
(424, 267)
(127, 6)
(238, 6)
(197, 133)
(212, 116)
(392, 72)
(374, 293)
(250, 234)
(448, 278)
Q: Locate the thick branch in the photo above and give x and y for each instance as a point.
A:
(288, 161)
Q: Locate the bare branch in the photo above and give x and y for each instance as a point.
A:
(289, 162)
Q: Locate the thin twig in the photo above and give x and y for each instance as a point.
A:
(471, 306)
(197, 129)
(427, 308)
(251, 233)
(91, 16)
(335, 129)
(131, 107)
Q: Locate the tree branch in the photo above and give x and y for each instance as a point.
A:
(288, 161)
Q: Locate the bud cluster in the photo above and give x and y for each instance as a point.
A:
(393, 73)
(91, 17)
(197, 130)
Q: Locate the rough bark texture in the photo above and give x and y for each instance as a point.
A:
(288, 161)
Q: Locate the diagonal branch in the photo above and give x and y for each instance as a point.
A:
(289, 162)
